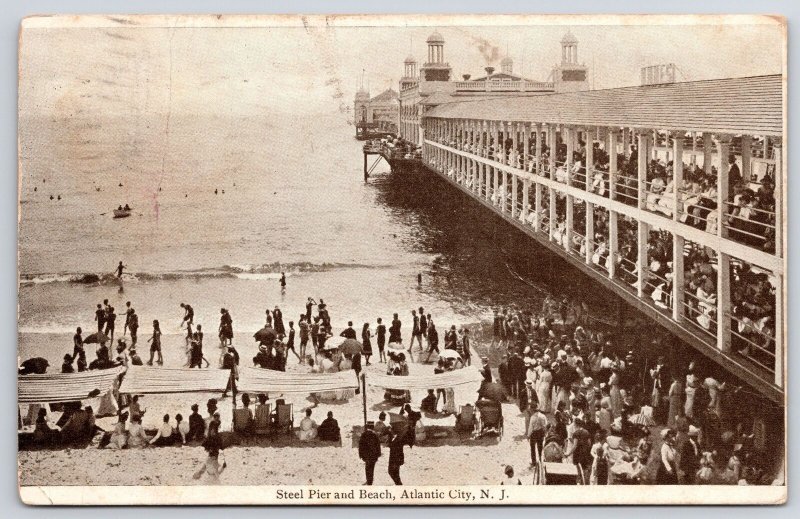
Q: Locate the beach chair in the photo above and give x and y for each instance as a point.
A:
(491, 417)
(466, 420)
(242, 421)
(261, 420)
(284, 417)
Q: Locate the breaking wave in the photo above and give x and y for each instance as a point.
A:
(265, 271)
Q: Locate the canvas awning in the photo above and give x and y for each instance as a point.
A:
(142, 380)
(66, 387)
(467, 375)
(258, 380)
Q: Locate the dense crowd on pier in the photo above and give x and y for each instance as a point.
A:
(749, 218)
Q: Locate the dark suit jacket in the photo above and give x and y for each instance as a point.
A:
(396, 456)
(689, 461)
(369, 446)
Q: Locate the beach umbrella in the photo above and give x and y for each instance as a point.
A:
(330, 346)
(449, 354)
(96, 338)
(396, 346)
(265, 335)
(34, 366)
(642, 419)
(334, 342)
(350, 346)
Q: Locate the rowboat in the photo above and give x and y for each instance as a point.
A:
(122, 213)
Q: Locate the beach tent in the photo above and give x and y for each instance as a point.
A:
(258, 380)
(66, 387)
(467, 375)
(142, 380)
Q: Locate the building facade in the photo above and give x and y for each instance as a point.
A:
(434, 86)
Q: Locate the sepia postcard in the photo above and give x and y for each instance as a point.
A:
(440, 260)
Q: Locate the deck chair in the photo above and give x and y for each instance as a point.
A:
(284, 417)
(491, 417)
(261, 420)
(465, 419)
(242, 421)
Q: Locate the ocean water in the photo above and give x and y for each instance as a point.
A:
(289, 198)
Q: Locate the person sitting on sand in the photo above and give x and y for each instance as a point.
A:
(119, 436)
(80, 425)
(135, 409)
(428, 404)
(134, 357)
(43, 433)
(137, 438)
(329, 429)
(308, 428)
(197, 426)
(181, 430)
(164, 436)
(211, 466)
(66, 367)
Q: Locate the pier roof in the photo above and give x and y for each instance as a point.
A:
(747, 105)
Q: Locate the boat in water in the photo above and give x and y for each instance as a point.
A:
(122, 212)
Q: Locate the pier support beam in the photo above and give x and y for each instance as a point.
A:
(643, 146)
(677, 277)
(722, 185)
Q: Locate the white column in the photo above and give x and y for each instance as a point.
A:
(538, 159)
(723, 302)
(552, 222)
(569, 135)
(589, 232)
(677, 277)
(641, 256)
(722, 185)
(537, 206)
(779, 335)
(526, 145)
(747, 146)
(570, 222)
(677, 174)
(552, 155)
(612, 163)
(613, 242)
(590, 134)
(780, 198)
(644, 158)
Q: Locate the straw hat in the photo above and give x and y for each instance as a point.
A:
(694, 431)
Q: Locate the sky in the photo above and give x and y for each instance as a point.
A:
(129, 70)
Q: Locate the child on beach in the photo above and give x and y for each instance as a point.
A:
(155, 339)
(211, 467)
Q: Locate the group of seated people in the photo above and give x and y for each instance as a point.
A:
(76, 424)
(327, 431)
(132, 435)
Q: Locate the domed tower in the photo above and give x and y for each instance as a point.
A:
(361, 105)
(507, 66)
(570, 76)
(410, 77)
(569, 49)
(436, 68)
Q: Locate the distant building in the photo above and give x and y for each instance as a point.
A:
(433, 85)
(376, 114)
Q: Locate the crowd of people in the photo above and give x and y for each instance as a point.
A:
(582, 401)
(749, 218)
(585, 404)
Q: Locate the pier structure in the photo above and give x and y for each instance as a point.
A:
(672, 196)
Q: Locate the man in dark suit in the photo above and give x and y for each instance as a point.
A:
(690, 456)
(349, 332)
(396, 458)
(369, 450)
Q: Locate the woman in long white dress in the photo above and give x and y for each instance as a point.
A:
(614, 393)
(345, 394)
(543, 390)
(692, 382)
